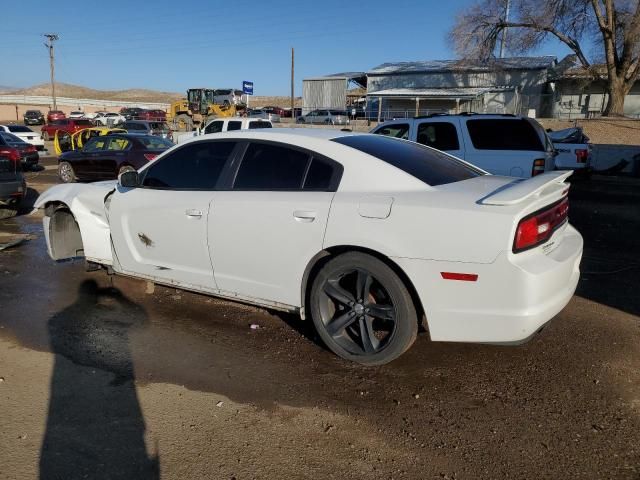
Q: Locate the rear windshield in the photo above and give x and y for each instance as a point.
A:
(253, 125)
(338, 112)
(19, 129)
(83, 122)
(426, 164)
(504, 134)
(155, 143)
(159, 126)
(33, 113)
(10, 139)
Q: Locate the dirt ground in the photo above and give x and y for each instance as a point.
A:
(99, 379)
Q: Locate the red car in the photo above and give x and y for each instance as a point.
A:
(277, 110)
(55, 115)
(68, 125)
(152, 115)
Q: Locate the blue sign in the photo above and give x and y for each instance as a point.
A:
(247, 87)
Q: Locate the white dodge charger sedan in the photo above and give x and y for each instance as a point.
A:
(367, 235)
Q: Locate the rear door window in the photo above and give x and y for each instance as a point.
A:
(503, 134)
(118, 144)
(396, 130)
(271, 167)
(95, 144)
(234, 125)
(196, 166)
(253, 125)
(439, 135)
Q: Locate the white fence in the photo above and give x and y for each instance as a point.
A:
(75, 102)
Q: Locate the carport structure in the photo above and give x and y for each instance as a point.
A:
(395, 102)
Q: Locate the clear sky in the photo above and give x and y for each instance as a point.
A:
(174, 45)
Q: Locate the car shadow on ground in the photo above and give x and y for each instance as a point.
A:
(95, 427)
(606, 211)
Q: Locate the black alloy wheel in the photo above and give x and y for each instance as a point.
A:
(362, 309)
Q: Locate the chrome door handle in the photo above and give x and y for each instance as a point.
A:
(193, 213)
(304, 215)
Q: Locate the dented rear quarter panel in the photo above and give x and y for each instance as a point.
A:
(86, 202)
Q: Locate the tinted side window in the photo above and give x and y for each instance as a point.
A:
(271, 167)
(428, 165)
(503, 134)
(119, 144)
(440, 135)
(213, 127)
(320, 175)
(259, 124)
(95, 144)
(397, 130)
(193, 167)
(234, 125)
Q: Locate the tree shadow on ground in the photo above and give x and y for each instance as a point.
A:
(95, 427)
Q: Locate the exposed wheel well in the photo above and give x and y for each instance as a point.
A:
(318, 261)
(64, 232)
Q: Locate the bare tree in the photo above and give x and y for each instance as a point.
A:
(613, 26)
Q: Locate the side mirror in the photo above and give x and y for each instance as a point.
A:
(129, 179)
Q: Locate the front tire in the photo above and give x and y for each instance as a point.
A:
(362, 310)
(66, 173)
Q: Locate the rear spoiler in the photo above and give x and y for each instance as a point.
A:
(519, 191)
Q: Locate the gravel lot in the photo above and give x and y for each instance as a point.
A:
(102, 380)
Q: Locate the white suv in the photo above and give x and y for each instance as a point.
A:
(500, 144)
(218, 125)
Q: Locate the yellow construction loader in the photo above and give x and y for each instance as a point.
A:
(192, 112)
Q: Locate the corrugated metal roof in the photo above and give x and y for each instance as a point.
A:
(432, 66)
(458, 92)
(344, 75)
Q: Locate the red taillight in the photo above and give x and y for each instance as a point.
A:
(150, 156)
(582, 154)
(538, 227)
(11, 153)
(538, 167)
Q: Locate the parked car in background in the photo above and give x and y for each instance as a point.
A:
(229, 96)
(76, 114)
(106, 156)
(277, 110)
(28, 154)
(55, 115)
(25, 133)
(108, 119)
(33, 117)
(297, 112)
(225, 125)
(366, 236)
(68, 125)
(152, 115)
(145, 127)
(327, 117)
(500, 144)
(261, 113)
(130, 113)
(573, 149)
(13, 186)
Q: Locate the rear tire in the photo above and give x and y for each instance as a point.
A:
(362, 310)
(66, 172)
(184, 121)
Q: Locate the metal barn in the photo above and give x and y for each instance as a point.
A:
(330, 92)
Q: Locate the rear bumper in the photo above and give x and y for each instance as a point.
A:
(512, 299)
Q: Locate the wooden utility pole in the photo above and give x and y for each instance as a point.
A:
(52, 37)
(292, 92)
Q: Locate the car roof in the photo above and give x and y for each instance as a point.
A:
(281, 134)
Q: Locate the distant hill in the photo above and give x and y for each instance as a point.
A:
(6, 89)
(133, 95)
(77, 91)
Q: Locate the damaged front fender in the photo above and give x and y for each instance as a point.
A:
(87, 232)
